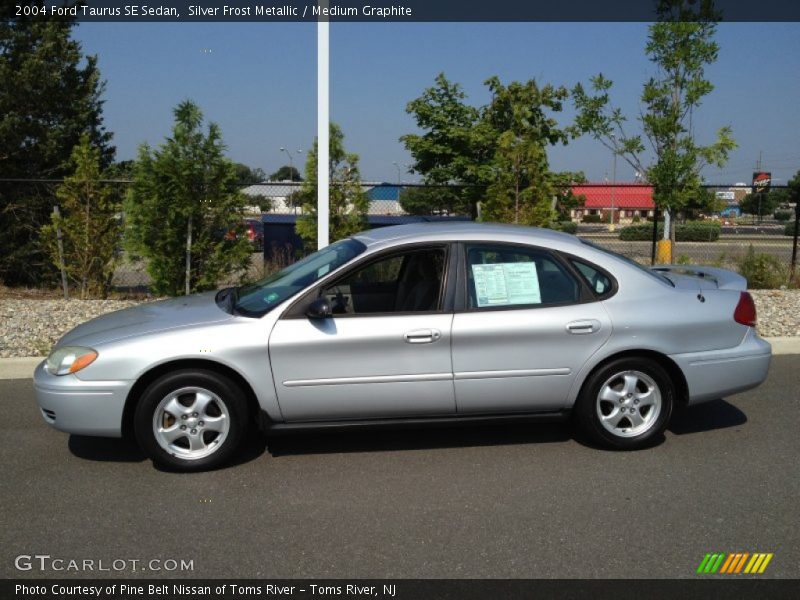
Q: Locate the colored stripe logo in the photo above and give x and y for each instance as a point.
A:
(734, 563)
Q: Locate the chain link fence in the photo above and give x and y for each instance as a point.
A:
(601, 213)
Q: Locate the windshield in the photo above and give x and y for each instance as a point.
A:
(259, 298)
(630, 261)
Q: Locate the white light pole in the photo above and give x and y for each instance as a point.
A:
(323, 129)
(291, 162)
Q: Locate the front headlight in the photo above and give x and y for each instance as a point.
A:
(69, 359)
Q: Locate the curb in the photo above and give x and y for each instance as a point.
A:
(22, 367)
(780, 345)
(19, 368)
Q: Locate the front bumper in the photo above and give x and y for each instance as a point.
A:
(718, 373)
(83, 407)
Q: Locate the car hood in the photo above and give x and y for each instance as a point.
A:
(199, 309)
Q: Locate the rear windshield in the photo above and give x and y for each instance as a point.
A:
(630, 261)
(259, 298)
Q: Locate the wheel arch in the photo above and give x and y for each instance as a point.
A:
(670, 366)
(149, 376)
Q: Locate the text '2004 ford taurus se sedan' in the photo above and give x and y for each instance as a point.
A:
(411, 324)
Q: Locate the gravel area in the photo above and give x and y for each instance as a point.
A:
(778, 312)
(29, 327)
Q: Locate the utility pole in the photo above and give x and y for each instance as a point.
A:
(397, 165)
(613, 190)
(613, 184)
(759, 192)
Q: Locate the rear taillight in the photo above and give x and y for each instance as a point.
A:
(745, 312)
(251, 233)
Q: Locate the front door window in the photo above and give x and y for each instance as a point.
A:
(410, 282)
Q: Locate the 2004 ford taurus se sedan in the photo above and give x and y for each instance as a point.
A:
(412, 324)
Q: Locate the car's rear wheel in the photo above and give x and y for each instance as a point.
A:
(191, 420)
(626, 404)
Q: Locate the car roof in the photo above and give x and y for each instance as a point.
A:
(463, 231)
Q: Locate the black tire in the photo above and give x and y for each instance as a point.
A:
(227, 405)
(611, 378)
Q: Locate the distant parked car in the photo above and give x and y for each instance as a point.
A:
(435, 323)
(254, 230)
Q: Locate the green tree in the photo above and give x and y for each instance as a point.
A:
(794, 197)
(296, 199)
(347, 201)
(497, 152)
(703, 201)
(794, 189)
(521, 190)
(286, 173)
(456, 146)
(119, 175)
(183, 201)
(435, 200)
(89, 222)
(248, 176)
(566, 199)
(49, 97)
(761, 204)
(681, 45)
(121, 170)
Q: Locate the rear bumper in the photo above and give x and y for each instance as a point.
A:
(83, 407)
(717, 373)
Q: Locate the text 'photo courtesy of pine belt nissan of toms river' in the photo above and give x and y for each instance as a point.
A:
(412, 325)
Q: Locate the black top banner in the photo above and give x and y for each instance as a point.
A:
(388, 10)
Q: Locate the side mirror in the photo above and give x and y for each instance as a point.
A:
(319, 309)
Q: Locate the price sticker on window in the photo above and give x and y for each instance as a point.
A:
(503, 284)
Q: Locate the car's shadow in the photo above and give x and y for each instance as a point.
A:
(717, 414)
(125, 450)
(708, 416)
(105, 449)
(392, 440)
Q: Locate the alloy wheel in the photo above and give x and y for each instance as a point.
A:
(191, 423)
(628, 403)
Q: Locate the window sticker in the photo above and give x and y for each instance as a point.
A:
(503, 284)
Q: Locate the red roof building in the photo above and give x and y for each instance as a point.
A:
(628, 200)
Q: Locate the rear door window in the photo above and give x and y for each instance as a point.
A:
(502, 276)
(598, 282)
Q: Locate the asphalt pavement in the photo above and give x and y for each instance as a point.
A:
(522, 501)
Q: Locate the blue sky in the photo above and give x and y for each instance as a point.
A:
(258, 81)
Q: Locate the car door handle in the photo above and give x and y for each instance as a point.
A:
(422, 336)
(583, 327)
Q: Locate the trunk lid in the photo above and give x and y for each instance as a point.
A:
(700, 277)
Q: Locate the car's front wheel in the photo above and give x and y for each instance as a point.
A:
(626, 404)
(191, 420)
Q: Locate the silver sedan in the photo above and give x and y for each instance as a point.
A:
(445, 323)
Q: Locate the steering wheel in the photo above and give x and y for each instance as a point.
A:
(340, 306)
